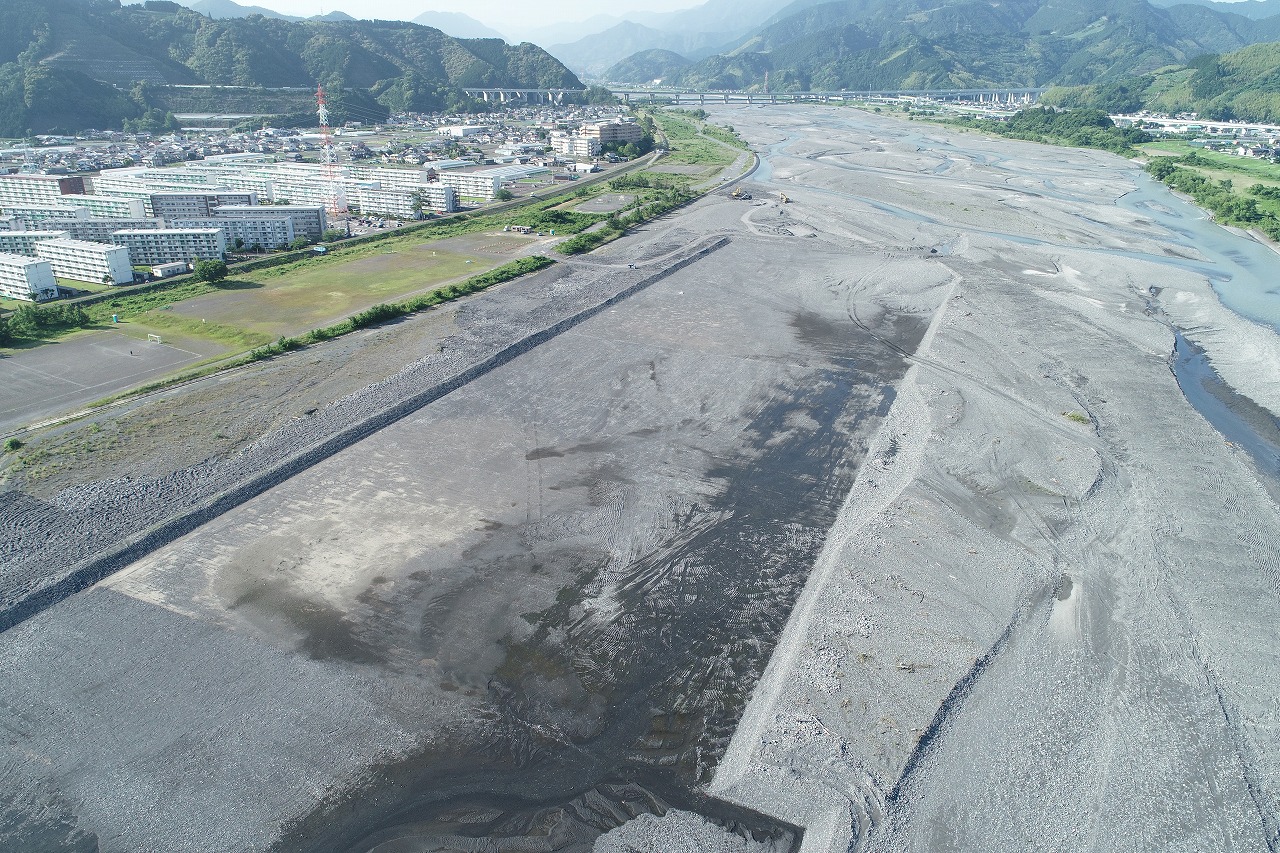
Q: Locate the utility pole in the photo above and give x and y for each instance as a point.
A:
(336, 203)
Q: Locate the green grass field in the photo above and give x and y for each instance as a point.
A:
(285, 301)
(1262, 171)
(688, 145)
(1243, 172)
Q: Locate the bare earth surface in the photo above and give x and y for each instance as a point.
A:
(884, 520)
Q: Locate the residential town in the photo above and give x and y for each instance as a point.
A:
(109, 208)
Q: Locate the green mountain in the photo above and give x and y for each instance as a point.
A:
(56, 56)
(647, 66)
(1243, 85)
(1255, 9)
(859, 44)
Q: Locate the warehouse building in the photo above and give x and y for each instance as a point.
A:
(80, 260)
(26, 278)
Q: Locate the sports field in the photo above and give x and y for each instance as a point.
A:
(290, 300)
(46, 380)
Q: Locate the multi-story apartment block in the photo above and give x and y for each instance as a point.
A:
(169, 245)
(80, 260)
(400, 203)
(25, 242)
(308, 220)
(267, 232)
(574, 145)
(36, 217)
(109, 207)
(21, 190)
(100, 230)
(26, 278)
(613, 131)
(196, 204)
(484, 183)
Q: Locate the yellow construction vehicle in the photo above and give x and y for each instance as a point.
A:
(783, 197)
(739, 194)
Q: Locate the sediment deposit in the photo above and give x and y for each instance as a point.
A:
(876, 517)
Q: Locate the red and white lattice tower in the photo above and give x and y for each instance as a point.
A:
(335, 204)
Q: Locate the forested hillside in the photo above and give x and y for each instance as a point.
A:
(860, 44)
(1243, 85)
(57, 57)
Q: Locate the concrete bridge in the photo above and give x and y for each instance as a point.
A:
(501, 95)
(1009, 96)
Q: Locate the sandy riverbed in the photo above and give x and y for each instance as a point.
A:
(929, 403)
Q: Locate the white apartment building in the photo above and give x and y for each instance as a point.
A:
(100, 230)
(109, 206)
(196, 204)
(170, 245)
(373, 199)
(573, 145)
(483, 184)
(80, 260)
(265, 231)
(613, 131)
(26, 278)
(43, 190)
(34, 217)
(308, 220)
(25, 242)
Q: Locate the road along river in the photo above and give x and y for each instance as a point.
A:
(883, 524)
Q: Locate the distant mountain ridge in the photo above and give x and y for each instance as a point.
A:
(72, 64)
(1253, 9)
(458, 25)
(648, 66)
(859, 44)
(693, 33)
(227, 9)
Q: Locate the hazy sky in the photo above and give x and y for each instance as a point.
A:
(492, 12)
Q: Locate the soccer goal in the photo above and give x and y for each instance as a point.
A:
(154, 339)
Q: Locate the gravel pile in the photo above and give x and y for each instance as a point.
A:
(50, 550)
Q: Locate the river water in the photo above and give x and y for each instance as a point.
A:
(1243, 272)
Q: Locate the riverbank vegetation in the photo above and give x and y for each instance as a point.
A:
(1256, 208)
(1080, 128)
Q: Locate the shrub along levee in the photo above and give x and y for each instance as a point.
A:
(33, 322)
(1217, 196)
(646, 207)
(380, 313)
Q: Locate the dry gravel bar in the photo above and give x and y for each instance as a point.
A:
(875, 521)
(1028, 631)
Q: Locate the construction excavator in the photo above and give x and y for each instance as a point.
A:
(739, 194)
(782, 197)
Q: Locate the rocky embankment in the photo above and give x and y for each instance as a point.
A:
(52, 549)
